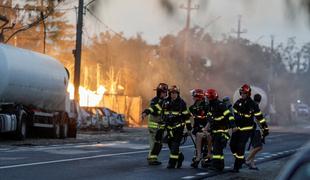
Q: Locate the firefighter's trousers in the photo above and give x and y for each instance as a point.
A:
(175, 136)
(156, 146)
(237, 145)
(152, 133)
(219, 142)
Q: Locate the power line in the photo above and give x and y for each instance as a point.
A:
(90, 2)
(99, 20)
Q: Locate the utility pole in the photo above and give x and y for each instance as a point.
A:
(189, 9)
(298, 63)
(298, 75)
(272, 43)
(239, 31)
(77, 51)
(271, 95)
(42, 26)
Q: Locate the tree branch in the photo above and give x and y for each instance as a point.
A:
(42, 18)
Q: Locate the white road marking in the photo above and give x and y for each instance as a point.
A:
(202, 174)
(11, 158)
(117, 144)
(5, 149)
(188, 177)
(70, 151)
(277, 135)
(93, 144)
(71, 159)
(82, 158)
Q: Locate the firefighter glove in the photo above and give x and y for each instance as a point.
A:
(189, 127)
(265, 132)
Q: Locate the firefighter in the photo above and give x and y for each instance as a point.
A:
(155, 123)
(221, 120)
(245, 109)
(199, 112)
(176, 117)
(257, 139)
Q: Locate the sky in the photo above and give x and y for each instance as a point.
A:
(260, 18)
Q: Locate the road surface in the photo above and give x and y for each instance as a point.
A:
(121, 160)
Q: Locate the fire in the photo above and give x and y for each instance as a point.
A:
(87, 97)
(120, 87)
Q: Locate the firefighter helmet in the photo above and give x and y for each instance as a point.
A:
(162, 87)
(245, 89)
(211, 94)
(198, 93)
(174, 88)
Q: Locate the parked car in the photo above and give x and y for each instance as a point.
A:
(100, 118)
(302, 110)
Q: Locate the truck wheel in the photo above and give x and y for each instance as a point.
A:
(72, 128)
(64, 126)
(21, 131)
(56, 130)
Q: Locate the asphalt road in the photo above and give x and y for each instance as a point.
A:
(120, 160)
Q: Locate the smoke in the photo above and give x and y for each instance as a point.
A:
(141, 66)
(168, 6)
(298, 9)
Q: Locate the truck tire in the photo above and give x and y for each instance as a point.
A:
(72, 131)
(64, 126)
(21, 131)
(56, 130)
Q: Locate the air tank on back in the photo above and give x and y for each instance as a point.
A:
(255, 90)
(32, 79)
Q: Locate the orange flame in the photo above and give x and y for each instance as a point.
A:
(87, 97)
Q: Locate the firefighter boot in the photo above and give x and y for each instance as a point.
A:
(195, 163)
(172, 163)
(236, 167)
(205, 163)
(154, 162)
(180, 160)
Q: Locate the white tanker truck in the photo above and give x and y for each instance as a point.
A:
(33, 95)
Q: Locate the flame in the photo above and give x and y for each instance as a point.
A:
(120, 87)
(87, 97)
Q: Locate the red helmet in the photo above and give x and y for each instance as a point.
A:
(212, 94)
(245, 89)
(162, 87)
(198, 93)
(174, 88)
